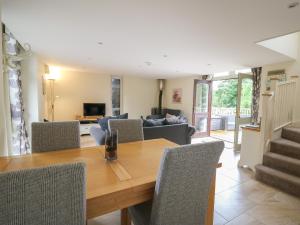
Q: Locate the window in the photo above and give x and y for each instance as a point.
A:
(116, 84)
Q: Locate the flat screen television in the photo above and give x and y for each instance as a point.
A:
(93, 109)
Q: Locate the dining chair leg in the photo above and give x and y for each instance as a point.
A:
(125, 218)
(211, 202)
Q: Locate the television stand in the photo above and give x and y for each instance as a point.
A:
(86, 122)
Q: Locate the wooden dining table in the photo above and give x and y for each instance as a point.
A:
(111, 185)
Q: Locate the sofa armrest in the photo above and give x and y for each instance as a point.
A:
(98, 134)
(191, 130)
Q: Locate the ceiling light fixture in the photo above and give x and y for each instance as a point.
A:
(293, 5)
(165, 55)
(209, 64)
(100, 43)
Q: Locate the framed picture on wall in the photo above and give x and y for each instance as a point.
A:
(177, 95)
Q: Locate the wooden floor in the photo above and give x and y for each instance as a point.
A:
(240, 199)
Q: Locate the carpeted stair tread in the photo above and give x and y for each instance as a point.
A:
(283, 163)
(291, 133)
(278, 179)
(286, 147)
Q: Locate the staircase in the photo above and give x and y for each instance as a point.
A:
(281, 166)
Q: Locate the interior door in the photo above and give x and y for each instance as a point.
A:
(243, 106)
(202, 107)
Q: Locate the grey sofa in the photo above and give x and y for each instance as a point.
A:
(179, 133)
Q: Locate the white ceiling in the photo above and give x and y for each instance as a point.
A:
(192, 33)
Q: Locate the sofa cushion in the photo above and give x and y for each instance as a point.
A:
(154, 122)
(104, 121)
(171, 119)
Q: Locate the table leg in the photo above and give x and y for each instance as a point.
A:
(125, 218)
(209, 220)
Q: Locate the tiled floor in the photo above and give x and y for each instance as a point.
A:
(240, 199)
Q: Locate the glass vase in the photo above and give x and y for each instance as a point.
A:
(111, 145)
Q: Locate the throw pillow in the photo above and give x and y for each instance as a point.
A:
(173, 120)
(169, 115)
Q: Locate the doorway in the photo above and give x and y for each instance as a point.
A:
(202, 107)
(221, 107)
(243, 107)
(224, 102)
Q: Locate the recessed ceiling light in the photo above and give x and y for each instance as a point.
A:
(165, 55)
(148, 63)
(209, 64)
(100, 43)
(293, 5)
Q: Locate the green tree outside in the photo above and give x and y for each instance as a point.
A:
(226, 94)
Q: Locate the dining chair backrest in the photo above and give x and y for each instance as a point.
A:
(43, 196)
(183, 183)
(128, 129)
(52, 136)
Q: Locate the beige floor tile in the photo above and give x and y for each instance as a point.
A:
(283, 200)
(230, 204)
(230, 159)
(239, 174)
(224, 183)
(244, 219)
(218, 219)
(255, 191)
(275, 215)
(203, 140)
(108, 219)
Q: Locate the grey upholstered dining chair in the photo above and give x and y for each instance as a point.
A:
(182, 186)
(128, 130)
(52, 136)
(42, 196)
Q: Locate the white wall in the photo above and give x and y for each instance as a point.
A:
(187, 86)
(75, 88)
(32, 72)
(292, 68)
(139, 96)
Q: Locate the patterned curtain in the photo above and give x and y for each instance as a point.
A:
(12, 69)
(256, 93)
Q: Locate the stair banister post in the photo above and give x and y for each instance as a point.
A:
(267, 119)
